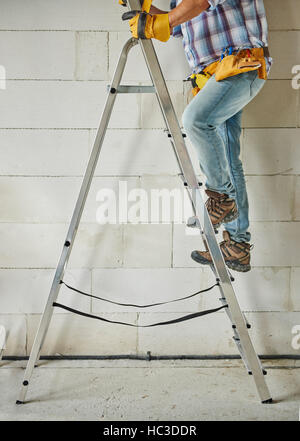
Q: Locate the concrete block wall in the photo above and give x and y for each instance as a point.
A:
(59, 58)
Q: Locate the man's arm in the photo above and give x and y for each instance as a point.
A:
(185, 11)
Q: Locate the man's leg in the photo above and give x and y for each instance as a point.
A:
(213, 105)
(231, 133)
(213, 122)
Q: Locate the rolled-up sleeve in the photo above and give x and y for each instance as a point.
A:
(177, 32)
(215, 3)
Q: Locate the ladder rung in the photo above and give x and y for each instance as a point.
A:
(169, 135)
(132, 89)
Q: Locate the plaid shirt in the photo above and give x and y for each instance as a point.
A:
(226, 23)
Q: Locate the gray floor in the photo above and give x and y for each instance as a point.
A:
(139, 390)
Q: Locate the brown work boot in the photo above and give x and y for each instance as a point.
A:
(221, 208)
(236, 254)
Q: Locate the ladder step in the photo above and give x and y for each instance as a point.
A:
(170, 135)
(187, 185)
(132, 89)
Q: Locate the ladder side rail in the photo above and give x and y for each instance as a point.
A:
(75, 220)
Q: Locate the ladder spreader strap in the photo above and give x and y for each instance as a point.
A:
(169, 322)
(139, 306)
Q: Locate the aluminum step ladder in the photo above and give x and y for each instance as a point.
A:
(239, 324)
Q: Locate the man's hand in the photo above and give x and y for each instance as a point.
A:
(144, 25)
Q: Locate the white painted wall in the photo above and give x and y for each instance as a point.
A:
(59, 58)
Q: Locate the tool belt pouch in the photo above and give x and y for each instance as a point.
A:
(199, 80)
(243, 61)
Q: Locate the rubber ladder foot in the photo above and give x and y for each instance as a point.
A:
(269, 401)
(19, 402)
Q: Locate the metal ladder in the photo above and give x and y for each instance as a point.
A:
(239, 324)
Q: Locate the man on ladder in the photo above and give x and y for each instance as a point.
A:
(144, 26)
(225, 42)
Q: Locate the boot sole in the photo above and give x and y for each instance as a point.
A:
(230, 217)
(233, 265)
(237, 266)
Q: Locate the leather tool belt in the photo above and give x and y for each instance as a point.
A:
(230, 64)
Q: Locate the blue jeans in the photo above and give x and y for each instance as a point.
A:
(212, 121)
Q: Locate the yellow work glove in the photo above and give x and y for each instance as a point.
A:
(144, 25)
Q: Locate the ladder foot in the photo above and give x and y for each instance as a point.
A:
(19, 402)
(269, 401)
